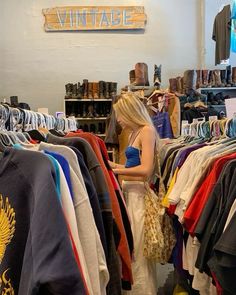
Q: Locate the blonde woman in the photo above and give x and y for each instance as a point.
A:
(140, 153)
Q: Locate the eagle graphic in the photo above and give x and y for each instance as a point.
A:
(7, 225)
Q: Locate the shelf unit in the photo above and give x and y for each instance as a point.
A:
(230, 91)
(90, 114)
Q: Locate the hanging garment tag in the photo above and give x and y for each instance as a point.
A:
(212, 118)
(196, 120)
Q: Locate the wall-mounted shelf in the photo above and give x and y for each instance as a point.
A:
(216, 88)
(91, 119)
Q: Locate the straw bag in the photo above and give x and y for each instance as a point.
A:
(159, 237)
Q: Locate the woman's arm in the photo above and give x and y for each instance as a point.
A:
(115, 165)
(147, 138)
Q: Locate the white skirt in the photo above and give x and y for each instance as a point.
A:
(143, 269)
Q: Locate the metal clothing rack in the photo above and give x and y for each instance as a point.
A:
(17, 119)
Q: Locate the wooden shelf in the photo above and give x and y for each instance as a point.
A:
(82, 99)
(216, 88)
(91, 119)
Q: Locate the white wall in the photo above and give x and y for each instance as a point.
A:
(36, 65)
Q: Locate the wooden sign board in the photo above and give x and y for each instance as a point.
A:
(83, 18)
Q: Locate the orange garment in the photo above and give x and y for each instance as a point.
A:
(123, 248)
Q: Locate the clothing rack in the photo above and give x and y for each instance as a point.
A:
(210, 129)
(17, 119)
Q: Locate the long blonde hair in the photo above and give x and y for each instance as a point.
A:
(132, 110)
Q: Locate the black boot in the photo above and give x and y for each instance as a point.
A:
(84, 114)
(157, 76)
(223, 77)
(92, 128)
(229, 76)
(99, 128)
(106, 92)
(74, 92)
(79, 90)
(113, 89)
(85, 89)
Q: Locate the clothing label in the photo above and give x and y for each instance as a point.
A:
(184, 127)
(196, 120)
(212, 118)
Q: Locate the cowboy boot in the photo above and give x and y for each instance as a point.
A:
(199, 79)
(106, 92)
(74, 91)
(223, 78)
(114, 89)
(173, 85)
(101, 85)
(157, 76)
(95, 90)
(69, 89)
(132, 77)
(204, 78)
(85, 89)
(90, 90)
(189, 81)
(216, 74)
(229, 76)
(211, 79)
(234, 76)
(79, 90)
(141, 74)
(179, 84)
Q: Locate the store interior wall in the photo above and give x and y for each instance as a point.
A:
(36, 65)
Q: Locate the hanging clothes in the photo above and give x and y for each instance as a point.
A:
(221, 34)
(31, 231)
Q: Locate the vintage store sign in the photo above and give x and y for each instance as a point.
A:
(76, 18)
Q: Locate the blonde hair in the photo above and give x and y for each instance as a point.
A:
(132, 110)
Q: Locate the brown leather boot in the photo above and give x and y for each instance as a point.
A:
(95, 90)
(85, 89)
(211, 79)
(216, 74)
(179, 84)
(234, 76)
(199, 79)
(141, 74)
(173, 85)
(90, 90)
(101, 86)
(132, 77)
(189, 81)
(205, 75)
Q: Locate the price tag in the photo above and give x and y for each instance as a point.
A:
(212, 118)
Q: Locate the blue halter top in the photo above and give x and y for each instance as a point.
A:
(132, 157)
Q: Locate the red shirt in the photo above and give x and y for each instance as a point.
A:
(194, 210)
